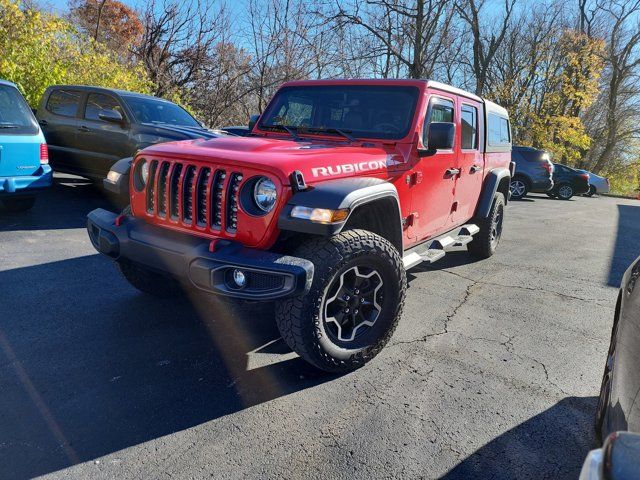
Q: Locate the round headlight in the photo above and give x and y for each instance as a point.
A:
(144, 172)
(264, 194)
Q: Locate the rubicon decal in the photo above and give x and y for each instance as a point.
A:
(348, 168)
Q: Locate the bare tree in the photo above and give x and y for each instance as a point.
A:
(486, 39)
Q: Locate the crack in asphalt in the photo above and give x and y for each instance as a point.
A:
(532, 289)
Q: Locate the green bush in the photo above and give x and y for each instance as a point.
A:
(39, 49)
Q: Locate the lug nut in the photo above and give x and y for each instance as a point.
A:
(346, 310)
(356, 291)
(347, 297)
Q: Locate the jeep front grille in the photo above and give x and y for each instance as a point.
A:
(186, 193)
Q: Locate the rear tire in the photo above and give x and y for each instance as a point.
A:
(150, 282)
(519, 188)
(354, 303)
(565, 191)
(486, 241)
(19, 204)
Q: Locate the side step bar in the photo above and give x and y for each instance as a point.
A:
(434, 249)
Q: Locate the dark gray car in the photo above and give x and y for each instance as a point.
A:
(89, 129)
(534, 172)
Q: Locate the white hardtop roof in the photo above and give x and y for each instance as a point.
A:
(495, 108)
(457, 91)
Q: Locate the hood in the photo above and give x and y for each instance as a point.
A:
(189, 132)
(317, 160)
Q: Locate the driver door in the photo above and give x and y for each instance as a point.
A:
(433, 187)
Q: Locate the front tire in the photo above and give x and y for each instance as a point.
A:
(565, 191)
(354, 303)
(19, 204)
(519, 188)
(486, 241)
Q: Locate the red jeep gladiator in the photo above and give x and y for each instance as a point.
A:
(341, 187)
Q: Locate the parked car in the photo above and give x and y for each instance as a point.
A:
(618, 459)
(597, 184)
(533, 172)
(619, 401)
(89, 129)
(237, 130)
(568, 182)
(342, 187)
(24, 159)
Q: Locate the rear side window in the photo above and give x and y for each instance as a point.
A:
(469, 121)
(499, 133)
(63, 102)
(16, 118)
(98, 102)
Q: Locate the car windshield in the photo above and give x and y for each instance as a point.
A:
(366, 111)
(149, 110)
(15, 115)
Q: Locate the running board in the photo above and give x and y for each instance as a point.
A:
(433, 250)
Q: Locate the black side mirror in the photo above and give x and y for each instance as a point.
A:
(440, 136)
(111, 116)
(253, 119)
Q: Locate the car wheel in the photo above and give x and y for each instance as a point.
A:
(565, 191)
(591, 192)
(353, 305)
(18, 204)
(519, 188)
(486, 241)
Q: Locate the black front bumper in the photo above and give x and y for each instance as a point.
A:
(268, 275)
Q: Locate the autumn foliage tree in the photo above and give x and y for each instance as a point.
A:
(107, 21)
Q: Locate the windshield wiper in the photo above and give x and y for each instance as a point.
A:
(289, 129)
(345, 133)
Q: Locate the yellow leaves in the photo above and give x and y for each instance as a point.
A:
(39, 49)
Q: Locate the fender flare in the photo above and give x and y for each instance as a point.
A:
(491, 183)
(350, 193)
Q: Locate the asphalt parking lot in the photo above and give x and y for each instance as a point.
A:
(493, 372)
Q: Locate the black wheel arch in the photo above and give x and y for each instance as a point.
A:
(497, 180)
(373, 205)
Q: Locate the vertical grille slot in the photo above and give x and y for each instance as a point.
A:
(216, 199)
(232, 201)
(202, 193)
(162, 189)
(151, 187)
(187, 194)
(174, 194)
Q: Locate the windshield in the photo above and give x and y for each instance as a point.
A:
(149, 110)
(367, 111)
(15, 115)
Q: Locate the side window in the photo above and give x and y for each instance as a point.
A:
(499, 133)
(63, 102)
(97, 102)
(469, 122)
(440, 110)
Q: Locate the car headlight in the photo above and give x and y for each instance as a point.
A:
(265, 194)
(113, 176)
(141, 174)
(144, 172)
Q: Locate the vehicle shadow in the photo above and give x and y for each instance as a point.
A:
(552, 444)
(455, 258)
(101, 367)
(64, 205)
(627, 247)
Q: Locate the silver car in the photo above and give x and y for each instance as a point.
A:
(597, 184)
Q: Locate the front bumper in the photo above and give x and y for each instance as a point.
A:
(25, 184)
(268, 275)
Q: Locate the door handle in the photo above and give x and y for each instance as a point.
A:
(475, 168)
(84, 129)
(452, 172)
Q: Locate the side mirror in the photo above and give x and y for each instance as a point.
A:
(253, 119)
(440, 136)
(111, 116)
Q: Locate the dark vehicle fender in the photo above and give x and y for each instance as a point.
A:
(121, 187)
(497, 180)
(372, 202)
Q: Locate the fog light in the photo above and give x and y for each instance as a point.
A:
(239, 278)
